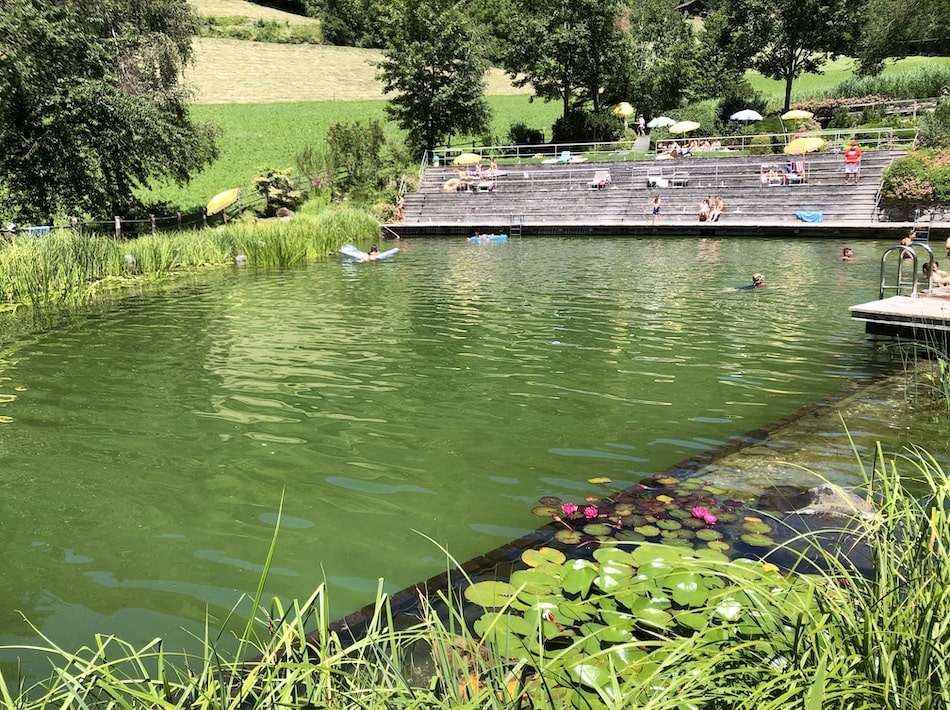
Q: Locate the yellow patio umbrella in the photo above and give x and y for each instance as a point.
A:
(797, 114)
(467, 159)
(222, 200)
(622, 110)
(805, 144)
(683, 127)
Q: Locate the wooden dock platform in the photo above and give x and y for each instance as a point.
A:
(924, 316)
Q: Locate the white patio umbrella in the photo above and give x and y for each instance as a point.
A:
(746, 115)
(661, 122)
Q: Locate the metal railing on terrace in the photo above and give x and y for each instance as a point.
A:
(746, 144)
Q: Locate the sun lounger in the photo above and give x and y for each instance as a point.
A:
(600, 180)
(679, 179)
(655, 179)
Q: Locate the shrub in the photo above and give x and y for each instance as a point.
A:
(760, 145)
(277, 189)
(934, 131)
(840, 118)
(922, 176)
(521, 134)
(586, 126)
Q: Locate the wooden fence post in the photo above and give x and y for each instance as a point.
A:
(204, 217)
(74, 224)
(153, 223)
(118, 227)
(178, 220)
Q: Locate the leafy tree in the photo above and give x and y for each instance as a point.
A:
(434, 64)
(898, 28)
(354, 158)
(782, 39)
(658, 62)
(351, 23)
(90, 104)
(567, 50)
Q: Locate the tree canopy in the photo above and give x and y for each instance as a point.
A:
(434, 66)
(91, 105)
(781, 39)
(900, 28)
(565, 50)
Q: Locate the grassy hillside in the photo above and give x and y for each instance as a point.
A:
(242, 8)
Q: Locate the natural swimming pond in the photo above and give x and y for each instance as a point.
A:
(147, 445)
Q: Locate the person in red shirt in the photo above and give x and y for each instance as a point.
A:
(852, 163)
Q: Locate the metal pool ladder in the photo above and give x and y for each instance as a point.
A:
(904, 281)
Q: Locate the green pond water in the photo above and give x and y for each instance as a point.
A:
(146, 444)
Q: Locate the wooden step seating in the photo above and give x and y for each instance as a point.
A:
(540, 193)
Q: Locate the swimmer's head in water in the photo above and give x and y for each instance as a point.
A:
(373, 249)
(758, 279)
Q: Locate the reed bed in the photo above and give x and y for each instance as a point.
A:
(66, 269)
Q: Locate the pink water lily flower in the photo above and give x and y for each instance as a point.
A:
(590, 512)
(710, 519)
(569, 508)
(699, 512)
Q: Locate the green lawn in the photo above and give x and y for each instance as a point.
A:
(812, 85)
(259, 135)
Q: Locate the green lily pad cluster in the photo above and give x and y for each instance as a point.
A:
(592, 630)
(688, 513)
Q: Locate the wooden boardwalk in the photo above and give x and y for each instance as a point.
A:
(534, 199)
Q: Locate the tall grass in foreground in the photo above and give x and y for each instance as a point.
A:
(65, 269)
(759, 639)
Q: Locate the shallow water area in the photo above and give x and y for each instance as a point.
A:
(397, 408)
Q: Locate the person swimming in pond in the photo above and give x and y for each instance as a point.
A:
(908, 241)
(939, 276)
(373, 253)
(758, 281)
(847, 254)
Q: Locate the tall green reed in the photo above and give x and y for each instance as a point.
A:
(65, 269)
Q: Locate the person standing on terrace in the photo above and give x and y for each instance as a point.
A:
(852, 163)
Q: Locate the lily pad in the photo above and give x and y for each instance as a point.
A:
(708, 534)
(759, 527)
(599, 479)
(668, 525)
(550, 500)
(568, 537)
(647, 530)
(490, 594)
(545, 511)
(757, 540)
(534, 558)
(718, 545)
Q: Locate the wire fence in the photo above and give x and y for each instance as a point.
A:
(129, 228)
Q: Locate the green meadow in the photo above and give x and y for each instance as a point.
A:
(257, 136)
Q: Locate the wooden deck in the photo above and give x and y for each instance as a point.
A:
(925, 316)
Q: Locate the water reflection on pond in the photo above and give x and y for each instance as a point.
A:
(437, 394)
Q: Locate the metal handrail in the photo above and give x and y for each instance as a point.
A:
(902, 282)
(837, 138)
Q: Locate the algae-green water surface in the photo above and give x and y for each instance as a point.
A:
(146, 445)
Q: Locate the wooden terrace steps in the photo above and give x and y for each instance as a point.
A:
(561, 194)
